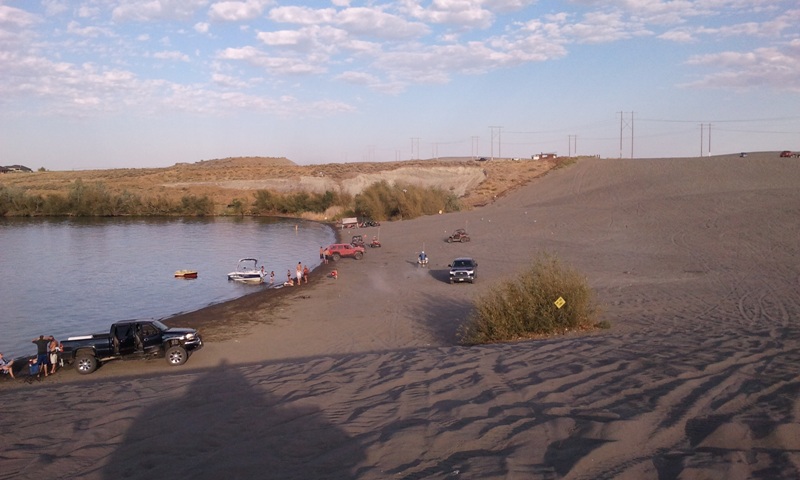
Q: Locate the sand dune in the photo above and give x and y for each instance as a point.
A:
(695, 262)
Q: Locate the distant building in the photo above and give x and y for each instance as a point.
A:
(544, 156)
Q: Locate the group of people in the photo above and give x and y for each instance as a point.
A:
(300, 275)
(47, 359)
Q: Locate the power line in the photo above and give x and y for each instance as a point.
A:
(664, 120)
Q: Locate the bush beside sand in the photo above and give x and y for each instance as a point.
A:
(547, 298)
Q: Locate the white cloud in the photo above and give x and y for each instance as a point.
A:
(55, 7)
(302, 15)
(228, 81)
(201, 27)
(359, 21)
(282, 37)
(272, 64)
(171, 55)
(374, 22)
(86, 11)
(358, 78)
(75, 28)
(11, 17)
(775, 67)
(680, 35)
(603, 27)
(146, 10)
(466, 13)
(237, 11)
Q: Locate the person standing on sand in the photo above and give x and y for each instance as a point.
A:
(41, 352)
(52, 350)
(299, 272)
(326, 254)
(322, 254)
(306, 271)
(289, 280)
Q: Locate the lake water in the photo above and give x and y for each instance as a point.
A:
(67, 277)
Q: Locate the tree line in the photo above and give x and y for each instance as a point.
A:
(380, 201)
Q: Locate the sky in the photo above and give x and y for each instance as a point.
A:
(90, 84)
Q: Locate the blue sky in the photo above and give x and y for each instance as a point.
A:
(150, 83)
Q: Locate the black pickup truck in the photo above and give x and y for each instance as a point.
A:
(131, 339)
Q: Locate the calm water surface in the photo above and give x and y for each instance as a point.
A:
(71, 276)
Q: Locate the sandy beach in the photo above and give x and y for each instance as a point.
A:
(696, 265)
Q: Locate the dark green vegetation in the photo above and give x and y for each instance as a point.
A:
(383, 201)
(95, 200)
(526, 307)
(380, 201)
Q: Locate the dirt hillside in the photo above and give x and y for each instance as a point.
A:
(223, 180)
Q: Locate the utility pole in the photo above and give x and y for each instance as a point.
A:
(475, 150)
(498, 140)
(709, 139)
(631, 134)
(414, 142)
(622, 125)
(701, 139)
(573, 138)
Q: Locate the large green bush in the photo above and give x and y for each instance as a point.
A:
(526, 307)
(95, 200)
(387, 201)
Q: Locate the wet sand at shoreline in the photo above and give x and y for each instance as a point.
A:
(695, 262)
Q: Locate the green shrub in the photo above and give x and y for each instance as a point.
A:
(270, 203)
(526, 307)
(384, 201)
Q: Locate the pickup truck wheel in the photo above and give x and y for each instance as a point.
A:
(336, 257)
(449, 239)
(85, 364)
(176, 355)
(358, 255)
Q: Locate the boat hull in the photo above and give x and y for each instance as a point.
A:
(186, 274)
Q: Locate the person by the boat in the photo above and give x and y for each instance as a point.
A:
(289, 280)
(299, 272)
(272, 277)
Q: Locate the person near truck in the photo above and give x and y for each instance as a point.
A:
(53, 349)
(42, 355)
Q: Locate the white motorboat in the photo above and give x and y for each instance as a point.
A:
(247, 271)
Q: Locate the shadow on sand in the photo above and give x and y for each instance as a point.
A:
(223, 427)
